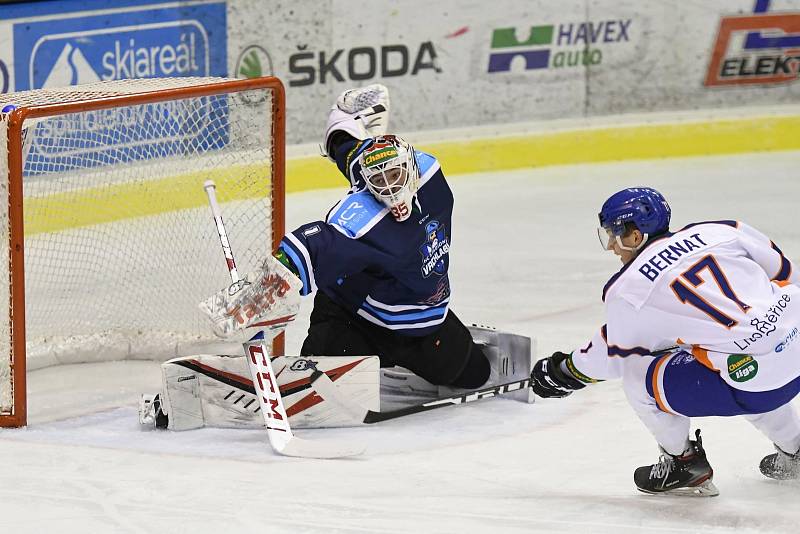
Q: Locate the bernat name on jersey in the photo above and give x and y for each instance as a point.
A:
(669, 254)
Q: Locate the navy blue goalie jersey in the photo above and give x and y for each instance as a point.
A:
(393, 274)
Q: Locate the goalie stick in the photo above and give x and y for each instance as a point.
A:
(266, 288)
(269, 397)
(328, 390)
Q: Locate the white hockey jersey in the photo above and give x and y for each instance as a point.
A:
(721, 290)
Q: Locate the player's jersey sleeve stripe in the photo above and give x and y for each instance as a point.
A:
(786, 266)
(614, 350)
(299, 255)
(298, 263)
(428, 166)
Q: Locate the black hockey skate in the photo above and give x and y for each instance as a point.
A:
(781, 465)
(689, 474)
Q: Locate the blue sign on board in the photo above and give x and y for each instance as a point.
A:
(149, 42)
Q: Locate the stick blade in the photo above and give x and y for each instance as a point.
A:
(322, 449)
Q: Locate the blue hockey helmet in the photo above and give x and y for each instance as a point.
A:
(643, 206)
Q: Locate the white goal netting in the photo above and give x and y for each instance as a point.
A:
(119, 243)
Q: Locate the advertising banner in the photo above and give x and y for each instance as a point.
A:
(84, 42)
(448, 64)
(462, 63)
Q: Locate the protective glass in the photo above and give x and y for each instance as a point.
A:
(606, 237)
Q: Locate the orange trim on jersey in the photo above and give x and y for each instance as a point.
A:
(781, 283)
(656, 393)
(701, 355)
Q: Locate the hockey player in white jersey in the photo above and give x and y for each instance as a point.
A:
(704, 321)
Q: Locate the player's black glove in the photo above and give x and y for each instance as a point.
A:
(549, 380)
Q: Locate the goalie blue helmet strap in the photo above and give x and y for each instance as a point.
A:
(643, 206)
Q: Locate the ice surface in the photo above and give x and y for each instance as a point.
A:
(525, 258)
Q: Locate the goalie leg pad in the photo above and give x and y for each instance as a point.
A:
(510, 358)
(400, 382)
(188, 393)
(217, 391)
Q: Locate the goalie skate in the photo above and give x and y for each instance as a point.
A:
(151, 414)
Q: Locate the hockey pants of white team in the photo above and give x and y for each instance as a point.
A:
(781, 426)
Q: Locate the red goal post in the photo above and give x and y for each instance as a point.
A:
(111, 244)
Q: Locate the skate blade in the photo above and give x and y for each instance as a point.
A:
(706, 489)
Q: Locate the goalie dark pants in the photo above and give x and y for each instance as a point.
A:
(447, 357)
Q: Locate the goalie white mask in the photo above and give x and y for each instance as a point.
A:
(389, 167)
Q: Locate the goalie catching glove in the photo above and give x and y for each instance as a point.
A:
(266, 298)
(361, 113)
(548, 379)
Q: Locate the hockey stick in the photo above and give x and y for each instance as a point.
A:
(237, 283)
(328, 390)
(266, 387)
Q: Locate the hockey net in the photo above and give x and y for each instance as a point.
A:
(109, 244)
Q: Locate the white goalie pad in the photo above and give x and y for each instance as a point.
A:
(511, 357)
(217, 391)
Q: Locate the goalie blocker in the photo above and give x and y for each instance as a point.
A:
(216, 390)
